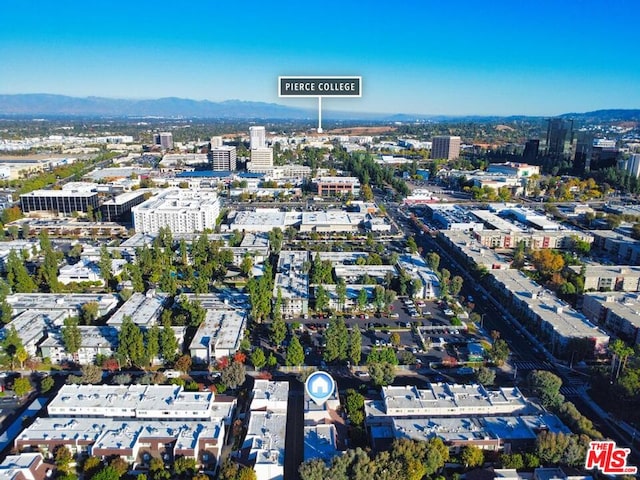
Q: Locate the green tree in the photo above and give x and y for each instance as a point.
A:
(433, 260)
(12, 344)
(355, 345)
(354, 406)
(322, 298)
(247, 265)
(48, 272)
(22, 386)
(91, 374)
(184, 466)
(499, 351)
(106, 265)
(394, 338)
(456, 285)
(278, 331)
(295, 353)
(17, 276)
(153, 342)
(183, 363)
(546, 386)
(168, 342)
(472, 456)
(362, 298)
(258, 358)
(89, 312)
(412, 246)
(233, 375)
(71, 335)
(485, 376)
(47, 383)
(382, 373)
(63, 458)
(337, 340)
(341, 293)
(131, 342)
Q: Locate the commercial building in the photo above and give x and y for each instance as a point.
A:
(58, 201)
(222, 158)
(531, 150)
(632, 165)
(261, 160)
(164, 140)
(445, 147)
(331, 186)
(455, 217)
(262, 220)
(559, 136)
(330, 221)
(619, 312)
(257, 137)
(292, 282)
(514, 169)
(118, 209)
(183, 211)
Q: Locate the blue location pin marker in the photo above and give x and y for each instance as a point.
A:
(320, 386)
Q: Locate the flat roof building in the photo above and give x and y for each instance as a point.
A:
(58, 201)
(619, 312)
(183, 211)
(292, 282)
(541, 311)
(118, 209)
(69, 303)
(445, 147)
(144, 309)
(222, 158)
(219, 335)
(330, 186)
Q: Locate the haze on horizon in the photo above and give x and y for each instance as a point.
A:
(423, 57)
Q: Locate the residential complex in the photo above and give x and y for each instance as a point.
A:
(182, 211)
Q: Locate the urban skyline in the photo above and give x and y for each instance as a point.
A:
(494, 59)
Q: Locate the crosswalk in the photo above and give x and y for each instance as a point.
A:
(531, 365)
(571, 391)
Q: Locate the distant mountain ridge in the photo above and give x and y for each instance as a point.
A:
(43, 104)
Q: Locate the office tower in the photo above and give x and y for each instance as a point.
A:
(559, 132)
(215, 141)
(531, 149)
(257, 137)
(261, 160)
(583, 152)
(222, 158)
(633, 165)
(164, 140)
(445, 147)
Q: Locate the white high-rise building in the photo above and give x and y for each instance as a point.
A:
(633, 165)
(182, 210)
(223, 158)
(216, 141)
(261, 160)
(257, 137)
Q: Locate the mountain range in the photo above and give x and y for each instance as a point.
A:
(39, 104)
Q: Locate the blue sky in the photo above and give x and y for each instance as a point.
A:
(535, 57)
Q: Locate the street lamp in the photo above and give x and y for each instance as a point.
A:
(482, 321)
